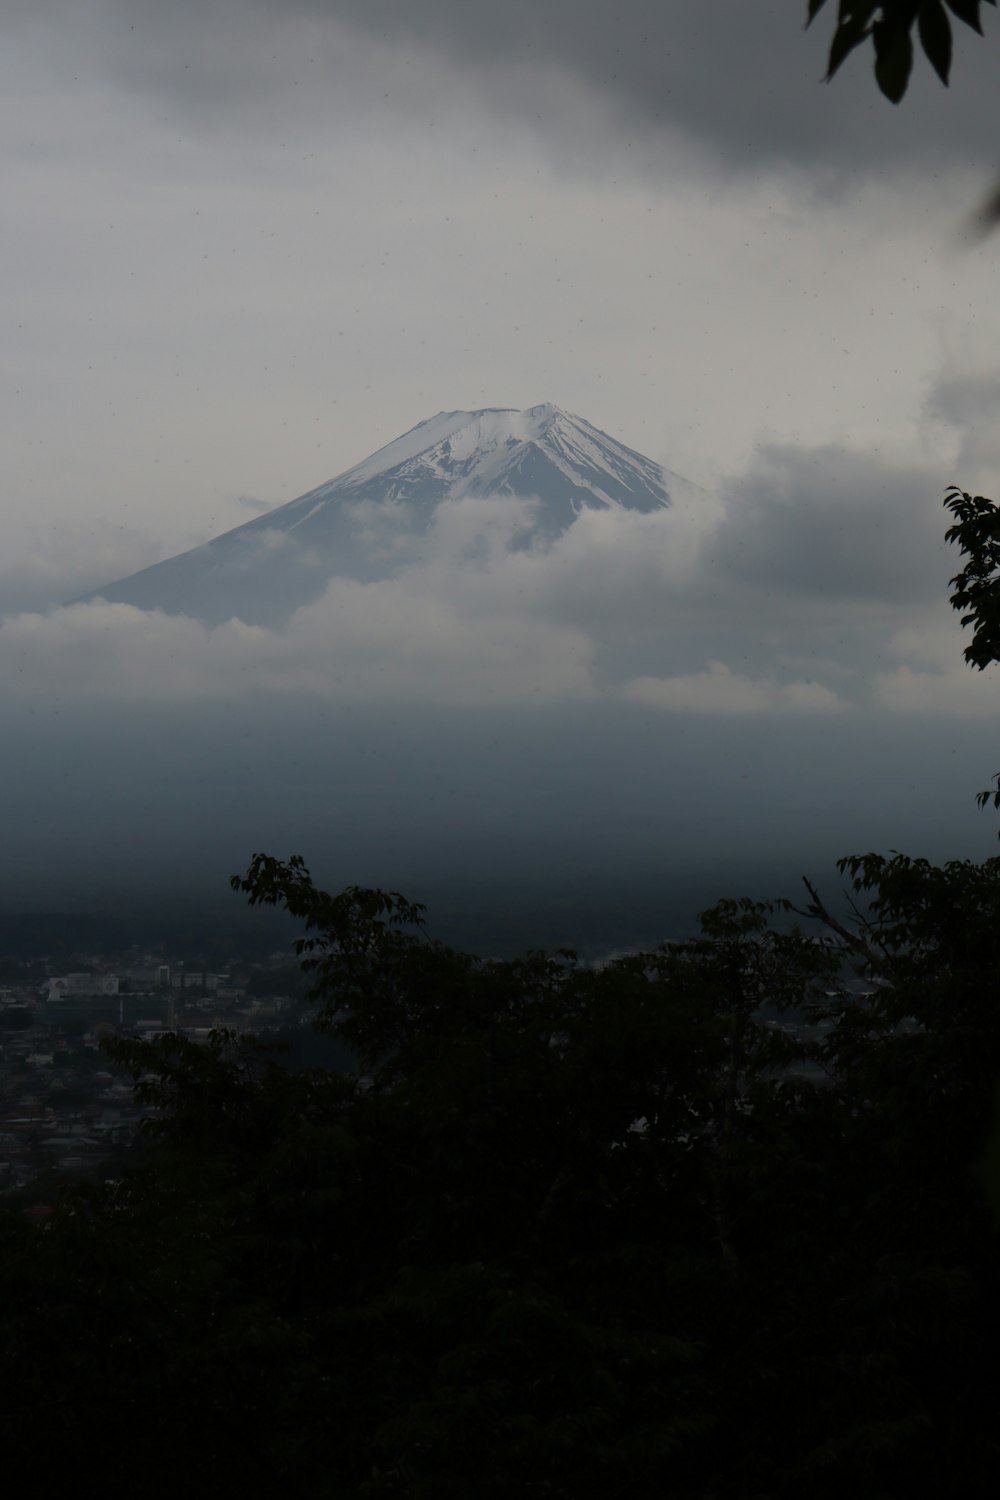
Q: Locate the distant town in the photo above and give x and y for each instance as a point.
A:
(64, 1109)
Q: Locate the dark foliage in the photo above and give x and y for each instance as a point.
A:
(706, 1222)
(889, 25)
(976, 589)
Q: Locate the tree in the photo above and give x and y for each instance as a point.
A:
(976, 589)
(697, 1222)
(889, 25)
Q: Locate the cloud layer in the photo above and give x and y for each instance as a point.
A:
(742, 84)
(806, 589)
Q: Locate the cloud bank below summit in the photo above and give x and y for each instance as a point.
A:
(813, 587)
(767, 677)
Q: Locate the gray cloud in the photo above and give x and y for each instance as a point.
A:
(48, 564)
(718, 690)
(807, 583)
(618, 706)
(965, 400)
(253, 503)
(832, 523)
(740, 82)
(743, 79)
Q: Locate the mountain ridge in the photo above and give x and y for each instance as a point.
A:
(361, 523)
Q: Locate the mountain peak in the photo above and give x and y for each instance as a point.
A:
(500, 450)
(368, 521)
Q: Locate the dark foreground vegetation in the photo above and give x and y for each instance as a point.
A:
(630, 1231)
(716, 1220)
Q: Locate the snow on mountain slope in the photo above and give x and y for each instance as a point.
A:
(364, 523)
(460, 453)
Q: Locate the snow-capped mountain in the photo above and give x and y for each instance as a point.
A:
(376, 517)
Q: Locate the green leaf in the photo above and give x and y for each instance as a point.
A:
(851, 32)
(860, 11)
(893, 59)
(968, 11)
(935, 36)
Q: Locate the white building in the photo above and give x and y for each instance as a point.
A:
(82, 984)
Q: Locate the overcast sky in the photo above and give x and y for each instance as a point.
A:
(247, 242)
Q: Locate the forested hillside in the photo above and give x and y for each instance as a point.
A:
(631, 1230)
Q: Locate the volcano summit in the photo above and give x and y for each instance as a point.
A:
(373, 520)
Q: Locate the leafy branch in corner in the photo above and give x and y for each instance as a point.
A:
(889, 26)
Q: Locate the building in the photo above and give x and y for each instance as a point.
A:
(82, 984)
